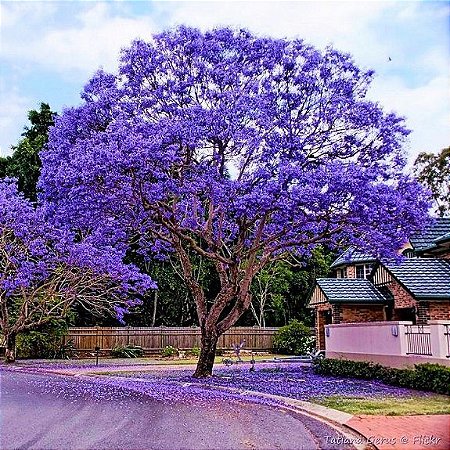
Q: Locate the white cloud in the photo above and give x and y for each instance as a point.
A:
(426, 109)
(92, 40)
(72, 39)
(314, 21)
(13, 111)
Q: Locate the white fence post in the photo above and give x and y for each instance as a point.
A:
(439, 330)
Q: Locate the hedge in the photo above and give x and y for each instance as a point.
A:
(426, 377)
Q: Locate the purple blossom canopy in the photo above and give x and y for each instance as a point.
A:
(43, 271)
(231, 143)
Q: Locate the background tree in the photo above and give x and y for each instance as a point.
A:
(25, 164)
(433, 171)
(269, 290)
(233, 150)
(43, 273)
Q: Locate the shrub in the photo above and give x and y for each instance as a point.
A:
(427, 377)
(169, 351)
(66, 350)
(195, 351)
(293, 339)
(127, 351)
(44, 343)
(433, 376)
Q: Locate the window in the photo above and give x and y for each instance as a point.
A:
(341, 273)
(363, 270)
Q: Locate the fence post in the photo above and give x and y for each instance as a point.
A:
(97, 343)
(440, 340)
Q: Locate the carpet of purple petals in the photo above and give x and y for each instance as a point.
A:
(177, 385)
(286, 380)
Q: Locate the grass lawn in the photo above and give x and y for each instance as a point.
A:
(436, 404)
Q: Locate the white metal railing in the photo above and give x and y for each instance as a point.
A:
(418, 338)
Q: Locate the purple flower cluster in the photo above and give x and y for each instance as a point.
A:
(44, 269)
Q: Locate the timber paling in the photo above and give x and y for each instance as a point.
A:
(154, 339)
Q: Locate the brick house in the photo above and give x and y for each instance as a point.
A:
(364, 289)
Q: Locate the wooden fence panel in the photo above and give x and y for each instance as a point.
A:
(85, 339)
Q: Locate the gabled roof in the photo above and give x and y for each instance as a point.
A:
(424, 278)
(350, 290)
(428, 238)
(352, 256)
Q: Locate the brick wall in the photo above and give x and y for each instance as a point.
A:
(439, 310)
(362, 313)
(351, 272)
(402, 298)
(320, 330)
(445, 255)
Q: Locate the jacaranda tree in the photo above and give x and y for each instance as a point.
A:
(43, 273)
(234, 149)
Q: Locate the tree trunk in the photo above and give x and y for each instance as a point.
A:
(207, 353)
(10, 350)
(155, 304)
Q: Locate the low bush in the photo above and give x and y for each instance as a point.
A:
(168, 351)
(43, 343)
(427, 377)
(195, 351)
(127, 351)
(293, 339)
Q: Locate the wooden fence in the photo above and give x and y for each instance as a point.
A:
(153, 340)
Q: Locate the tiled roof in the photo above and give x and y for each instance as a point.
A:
(444, 238)
(350, 290)
(352, 256)
(428, 238)
(423, 277)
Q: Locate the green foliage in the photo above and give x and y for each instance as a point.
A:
(433, 377)
(45, 343)
(433, 171)
(127, 351)
(195, 351)
(293, 339)
(168, 351)
(270, 288)
(280, 291)
(427, 377)
(66, 350)
(25, 164)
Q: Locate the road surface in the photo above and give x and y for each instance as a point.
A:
(43, 411)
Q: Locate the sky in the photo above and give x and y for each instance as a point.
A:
(50, 49)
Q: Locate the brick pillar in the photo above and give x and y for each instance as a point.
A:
(423, 313)
(337, 313)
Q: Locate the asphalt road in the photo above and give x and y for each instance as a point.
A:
(57, 412)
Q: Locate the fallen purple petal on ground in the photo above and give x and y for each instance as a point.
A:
(169, 385)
